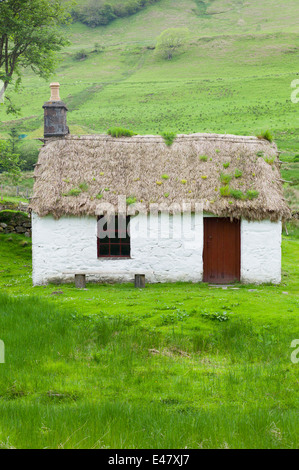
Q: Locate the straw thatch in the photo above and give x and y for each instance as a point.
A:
(135, 166)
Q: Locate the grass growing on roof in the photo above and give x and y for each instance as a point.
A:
(168, 137)
(266, 135)
(225, 178)
(120, 132)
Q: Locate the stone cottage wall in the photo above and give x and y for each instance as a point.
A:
(167, 251)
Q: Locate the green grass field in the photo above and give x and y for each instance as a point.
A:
(234, 77)
(171, 366)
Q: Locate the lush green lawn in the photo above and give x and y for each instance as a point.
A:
(113, 366)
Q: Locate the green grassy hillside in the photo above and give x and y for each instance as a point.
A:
(235, 75)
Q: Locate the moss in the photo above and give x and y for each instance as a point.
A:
(7, 216)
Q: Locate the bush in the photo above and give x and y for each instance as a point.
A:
(203, 158)
(171, 41)
(81, 55)
(99, 12)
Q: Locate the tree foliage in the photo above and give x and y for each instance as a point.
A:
(171, 41)
(101, 12)
(9, 161)
(30, 37)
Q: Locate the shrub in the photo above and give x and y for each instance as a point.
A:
(266, 136)
(168, 137)
(171, 41)
(99, 196)
(226, 165)
(81, 55)
(225, 178)
(165, 177)
(183, 181)
(238, 173)
(203, 158)
(120, 132)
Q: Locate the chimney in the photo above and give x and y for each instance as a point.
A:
(55, 115)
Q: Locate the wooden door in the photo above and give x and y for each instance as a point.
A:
(222, 250)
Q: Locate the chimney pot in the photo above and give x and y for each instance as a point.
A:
(55, 91)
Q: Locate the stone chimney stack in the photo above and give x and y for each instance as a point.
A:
(55, 112)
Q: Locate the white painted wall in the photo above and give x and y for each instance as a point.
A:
(172, 251)
(261, 252)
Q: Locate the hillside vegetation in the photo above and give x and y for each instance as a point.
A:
(234, 77)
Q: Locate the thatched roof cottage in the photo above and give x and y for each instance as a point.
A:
(206, 208)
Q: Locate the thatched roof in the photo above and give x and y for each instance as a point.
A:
(145, 169)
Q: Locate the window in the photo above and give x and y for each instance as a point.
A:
(114, 237)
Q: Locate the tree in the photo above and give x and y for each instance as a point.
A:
(28, 151)
(171, 41)
(9, 161)
(30, 37)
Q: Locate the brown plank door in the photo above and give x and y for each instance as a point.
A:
(222, 250)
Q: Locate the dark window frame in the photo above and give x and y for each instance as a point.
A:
(114, 247)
